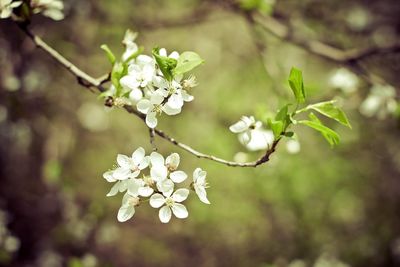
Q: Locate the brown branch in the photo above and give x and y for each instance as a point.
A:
(350, 58)
(88, 81)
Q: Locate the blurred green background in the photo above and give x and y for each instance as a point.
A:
(320, 207)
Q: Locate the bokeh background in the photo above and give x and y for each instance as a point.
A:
(320, 207)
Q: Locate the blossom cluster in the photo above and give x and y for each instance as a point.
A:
(149, 84)
(49, 8)
(156, 185)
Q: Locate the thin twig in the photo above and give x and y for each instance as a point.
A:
(152, 139)
(88, 81)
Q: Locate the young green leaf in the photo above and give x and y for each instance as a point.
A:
(330, 135)
(109, 53)
(166, 64)
(296, 84)
(188, 61)
(277, 127)
(331, 111)
(116, 74)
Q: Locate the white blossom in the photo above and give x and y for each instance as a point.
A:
(6, 7)
(165, 172)
(244, 128)
(130, 44)
(380, 102)
(260, 139)
(170, 204)
(151, 107)
(127, 209)
(49, 8)
(128, 167)
(200, 184)
(344, 80)
(293, 146)
(163, 52)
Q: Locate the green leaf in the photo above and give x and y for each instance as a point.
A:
(109, 54)
(116, 74)
(330, 135)
(331, 111)
(188, 61)
(276, 127)
(166, 64)
(296, 84)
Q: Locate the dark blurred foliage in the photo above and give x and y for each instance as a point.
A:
(321, 207)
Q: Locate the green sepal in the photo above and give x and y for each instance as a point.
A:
(166, 64)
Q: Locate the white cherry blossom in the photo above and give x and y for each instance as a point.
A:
(130, 44)
(260, 139)
(170, 204)
(151, 107)
(49, 8)
(244, 127)
(200, 185)
(6, 7)
(129, 167)
(127, 209)
(163, 52)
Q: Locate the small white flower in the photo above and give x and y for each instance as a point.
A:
(174, 54)
(380, 102)
(244, 127)
(129, 43)
(260, 139)
(151, 107)
(293, 146)
(50, 8)
(6, 7)
(165, 172)
(171, 204)
(140, 75)
(344, 80)
(200, 184)
(129, 167)
(127, 209)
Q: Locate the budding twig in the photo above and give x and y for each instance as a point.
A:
(88, 81)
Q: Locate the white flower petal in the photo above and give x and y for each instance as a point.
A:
(171, 111)
(145, 191)
(199, 176)
(138, 155)
(156, 99)
(174, 55)
(144, 106)
(156, 159)
(164, 214)
(124, 161)
(123, 186)
(186, 97)
(114, 190)
(162, 52)
(166, 187)
(151, 120)
(180, 211)
(173, 160)
(178, 176)
(136, 95)
(121, 173)
(125, 213)
(245, 137)
(159, 173)
(180, 195)
(129, 82)
(175, 101)
(201, 193)
(144, 163)
(133, 186)
(109, 176)
(157, 200)
(239, 127)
